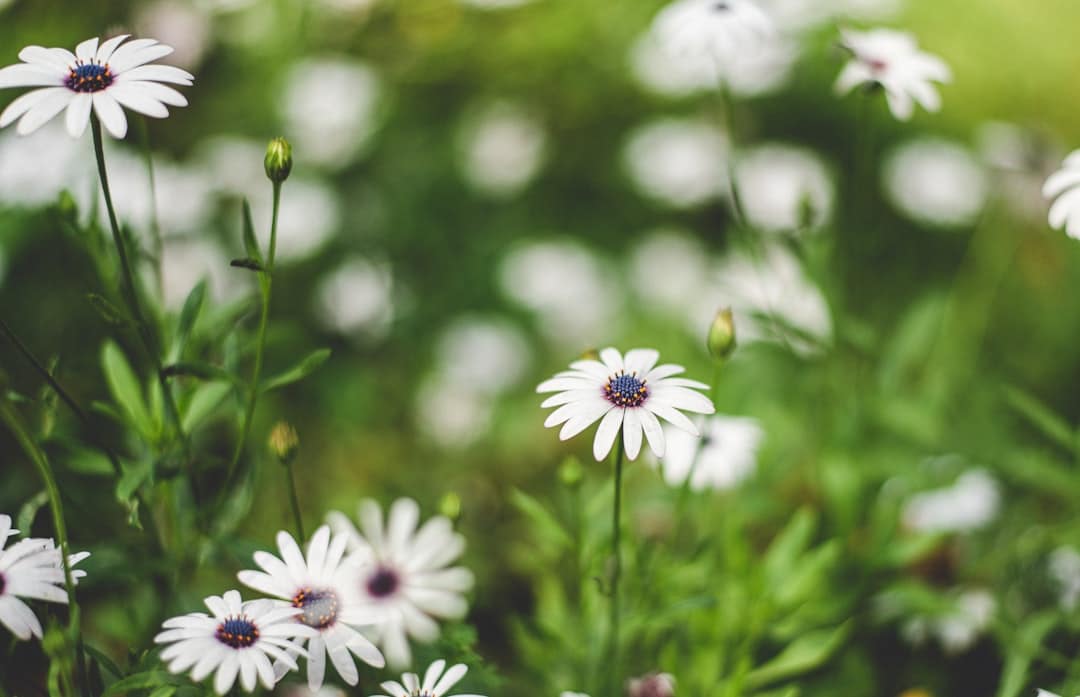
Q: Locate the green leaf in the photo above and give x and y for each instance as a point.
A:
(205, 398)
(190, 313)
(312, 361)
(201, 370)
(125, 388)
(24, 521)
(251, 244)
(103, 660)
(800, 656)
(1023, 644)
(789, 545)
(133, 477)
(143, 681)
(547, 528)
(87, 461)
(248, 263)
(112, 315)
(1041, 417)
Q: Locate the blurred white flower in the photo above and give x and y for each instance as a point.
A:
(801, 15)
(958, 628)
(436, 683)
(572, 694)
(551, 278)
(723, 31)
(1064, 185)
(184, 195)
(349, 5)
(488, 355)
(356, 299)
(748, 74)
(720, 458)
(968, 504)
(234, 163)
(669, 266)
(652, 685)
(310, 214)
(450, 416)
(680, 162)
(405, 573)
(24, 182)
(769, 293)
(935, 182)
(104, 78)
(782, 187)
(501, 149)
(185, 261)
(892, 59)
(179, 24)
(1065, 570)
(330, 108)
(624, 393)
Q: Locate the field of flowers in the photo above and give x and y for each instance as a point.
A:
(539, 348)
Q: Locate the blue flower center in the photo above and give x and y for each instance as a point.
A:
(89, 77)
(383, 582)
(626, 390)
(237, 632)
(319, 607)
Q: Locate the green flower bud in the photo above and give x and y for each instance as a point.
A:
(284, 442)
(571, 472)
(721, 340)
(450, 505)
(278, 162)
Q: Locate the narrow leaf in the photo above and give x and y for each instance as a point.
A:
(304, 368)
(125, 388)
(251, 244)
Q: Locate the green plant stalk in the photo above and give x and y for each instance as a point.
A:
(616, 573)
(294, 500)
(155, 223)
(36, 455)
(727, 119)
(145, 334)
(265, 285)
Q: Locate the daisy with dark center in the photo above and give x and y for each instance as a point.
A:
(105, 78)
(239, 639)
(436, 683)
(623, 393)
(405, 574)
(31, 569)
(320, 587)
(722, 32)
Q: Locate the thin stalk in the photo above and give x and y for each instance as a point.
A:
(155, 223)
(727, 118)
(294, 500)
(147, 336)
(266, 284)
(41, 462)
(616, 573)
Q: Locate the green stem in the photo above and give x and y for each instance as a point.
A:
(616, 573)
(145, 333)
(155, 223)
(265, 284)
(727, 120)
(40, 461)
(294, 500)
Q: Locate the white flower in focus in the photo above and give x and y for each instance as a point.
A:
(436, 683)
(180, 25)
(330, 107)
(105, 78)
(405, 575)
(969, 504)
(936, 182)
(322, 588)
(626, 394)
(669, 266)
(550, 278)
(356, 299)
(502, 148)
(30, 569)
(782, 188)
(1064, 185)
(722, 456)
(892, 59)
(680, 162)
(239, 639)
(723, 31)
(1065, 569)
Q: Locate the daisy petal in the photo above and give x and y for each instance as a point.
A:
(137, 100)
(606, 433)
(78, 114)
(27, 75)
(44, 109)
(110, 113)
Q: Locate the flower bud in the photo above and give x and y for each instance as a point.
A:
(589, 354)
(284, 442)
(652, 685)
(450, 505)
(278, 162)
(721, 340)
(570, 472)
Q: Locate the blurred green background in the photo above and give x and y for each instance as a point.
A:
(477, 199)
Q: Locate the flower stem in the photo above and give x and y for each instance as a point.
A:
(290, 478)
(727, 118)
(616, 574)
(145, 332)
(265, 285)
(26, 441)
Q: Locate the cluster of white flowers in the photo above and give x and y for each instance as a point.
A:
(355, 594)
(30, 569)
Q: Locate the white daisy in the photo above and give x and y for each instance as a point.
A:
(1064, 185)
(970, 503)
(239, 639)
(435, 684)
(627, 393)
(723, 31)
(724, 455)
(892, 59)
(405, 577)
(321, 588)
(105, 77)
(32, 569)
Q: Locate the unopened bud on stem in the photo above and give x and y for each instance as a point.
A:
(721, 339)
(278, 162)
(284, 442)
